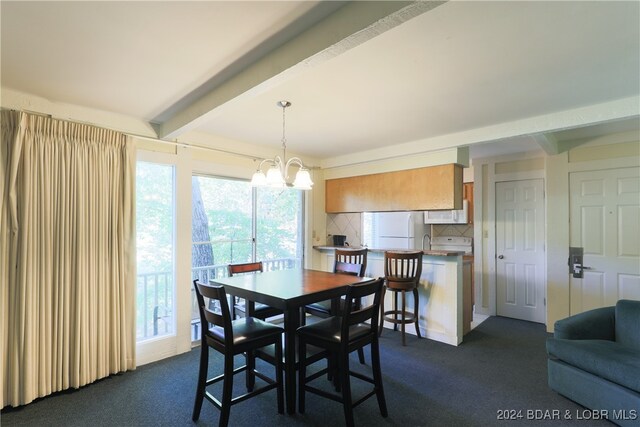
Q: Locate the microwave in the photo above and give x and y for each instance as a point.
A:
(459, 216)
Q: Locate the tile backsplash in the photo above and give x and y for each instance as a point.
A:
(458, 230)
(348, 224)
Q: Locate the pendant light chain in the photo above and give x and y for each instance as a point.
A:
(278, 173)
(284, 138)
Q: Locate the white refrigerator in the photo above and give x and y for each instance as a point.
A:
(393, 230)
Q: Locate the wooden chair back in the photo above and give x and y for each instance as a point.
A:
(402, 270)
(358, 310)
(210, 317)
(347, 268)
(352, 256)
(247, 267)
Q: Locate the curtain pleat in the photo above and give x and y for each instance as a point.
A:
(67, 255)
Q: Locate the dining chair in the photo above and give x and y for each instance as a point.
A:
(346, 261)
(402, 272)
(240, 306)
(339, 336)
(232, 337)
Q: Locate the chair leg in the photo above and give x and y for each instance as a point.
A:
(279, 376)
(381, 311)
(377, 377)
(345, 383)
(395, 308)
(202, 380)
(404, 317)
(303, 316)
(415, 311)
(332, 369)
(302, 373)
(335, 367)
(250, 360)
(233, 307)
(227, 389)
(358, 306)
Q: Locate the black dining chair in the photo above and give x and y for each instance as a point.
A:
(232, 337)
(339, 336)
(242, 307)
(347, 261)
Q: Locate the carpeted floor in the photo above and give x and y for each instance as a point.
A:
(499, 369)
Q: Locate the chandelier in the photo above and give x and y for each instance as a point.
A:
(278, 173)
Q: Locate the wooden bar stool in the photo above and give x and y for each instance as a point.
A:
(402, 272)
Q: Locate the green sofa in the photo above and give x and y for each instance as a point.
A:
(594, 360)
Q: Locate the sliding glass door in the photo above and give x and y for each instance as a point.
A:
(279, 226)
(222, 225)
(233, 222)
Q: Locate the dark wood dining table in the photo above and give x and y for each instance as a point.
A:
(289, 291)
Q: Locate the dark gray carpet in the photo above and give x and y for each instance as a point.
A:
(500, 366)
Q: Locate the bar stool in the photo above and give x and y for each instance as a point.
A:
(402, 272)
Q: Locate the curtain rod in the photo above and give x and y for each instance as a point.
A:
(150, 138)
(189, 145)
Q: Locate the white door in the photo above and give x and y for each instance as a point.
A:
(605, 222)
(520, 259)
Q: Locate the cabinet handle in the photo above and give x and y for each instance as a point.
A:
(500, 256)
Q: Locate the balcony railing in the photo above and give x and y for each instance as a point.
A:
(156, 301)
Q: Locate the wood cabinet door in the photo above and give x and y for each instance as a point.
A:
(428, 188)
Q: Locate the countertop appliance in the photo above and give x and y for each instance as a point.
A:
(339, 239)
(393, 230)
(453, 243)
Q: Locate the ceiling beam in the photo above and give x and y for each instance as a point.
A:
(348, 27)
(547, 142)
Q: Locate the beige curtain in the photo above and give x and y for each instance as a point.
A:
(67, 255)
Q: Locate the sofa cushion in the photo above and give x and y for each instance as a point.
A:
(607, 359)
(628, 323)
(597, 324)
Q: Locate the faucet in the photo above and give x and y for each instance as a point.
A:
(429, 239)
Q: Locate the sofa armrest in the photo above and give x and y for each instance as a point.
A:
(597, 324)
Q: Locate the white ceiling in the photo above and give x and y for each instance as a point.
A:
(439, 70)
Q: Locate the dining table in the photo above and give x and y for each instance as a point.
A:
(290, 291)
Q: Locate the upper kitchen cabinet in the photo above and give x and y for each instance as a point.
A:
(429, 188)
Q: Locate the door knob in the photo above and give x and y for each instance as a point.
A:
(500, 256)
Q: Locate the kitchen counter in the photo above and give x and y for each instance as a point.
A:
(444, 294)
(427, 252)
